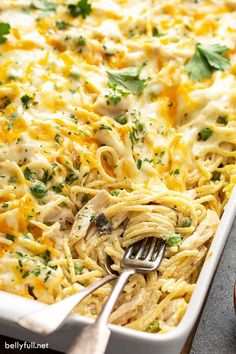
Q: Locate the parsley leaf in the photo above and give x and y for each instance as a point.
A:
(205, 134)
(222, 120)
(115, 192)
(186, 222)
(205, 60)
(174, 240)
(28, 174)
(25, 101)
(153, 327)
(216, 176)
(83, 8)
(62, 25)
(113, 97)
(78, 267)
(122, 119)
(4, 29)
(10, 237)
(139, 164)
(127, 80)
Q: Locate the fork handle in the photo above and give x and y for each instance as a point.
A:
(93, 339)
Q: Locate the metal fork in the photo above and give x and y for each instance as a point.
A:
(143, 257)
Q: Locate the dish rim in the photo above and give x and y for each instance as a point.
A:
(195, 304)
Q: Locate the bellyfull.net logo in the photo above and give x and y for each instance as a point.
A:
(25, 345)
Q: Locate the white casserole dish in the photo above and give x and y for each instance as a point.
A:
(124, 340)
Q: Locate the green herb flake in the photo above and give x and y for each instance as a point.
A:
(4, 30)
(62, 25)
(122, 119)
(28, 174)
(39, 190)
(5, 205)
(216, 176)
(222, 120)
(47, 276)
(139, 164)
(78, 267)
(113, 97)
(205, 134)
(156, 33)
(186, 222)
(81, 41)
(57, 139)
(10, 237)
(36, 272)
(153, 327)
(127, 80)
(25, 274)
(58, 188)
(174, 240)
(47, 256)
(70, 178)
(116, 192)
(206, 60)
(25, 101)
(176, 171)
(106, 127)
(82, 8)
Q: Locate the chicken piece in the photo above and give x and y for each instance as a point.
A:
(204, 232)
(85, 215)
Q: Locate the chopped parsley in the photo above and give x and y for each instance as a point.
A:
(205, 134)
(122, 119)
(57, 139)
(81, 41)
(156, 33)
(47, 276)
(39, 190)
(113, 97)
(176, 171)
(25, 274)
(62, 25)
(25, 101)
(47, 256)
(206, 60)
(127, 80)
(116, 192)
(78, 267)
(4, 30)
(58, 188)
(70, 178)
(216, 176)
(82, 8)
(153, 327)
(222, 120)
(106, 127)
(186, 222)
(10, 237)
(36, 272)
(174, 240)
(139, 164)
(28, 174)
